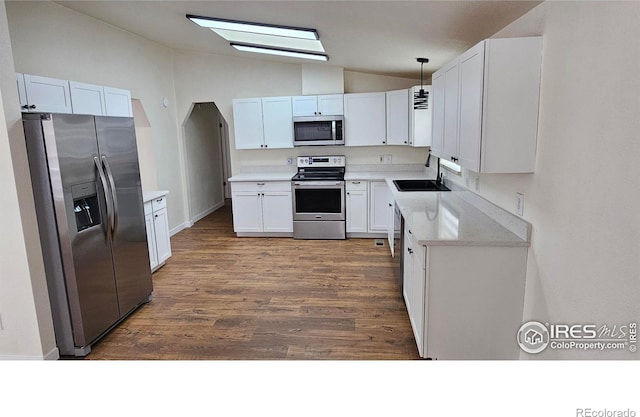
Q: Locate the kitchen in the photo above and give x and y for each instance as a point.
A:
(581, 265)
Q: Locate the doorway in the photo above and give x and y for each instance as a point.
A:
(206, 159)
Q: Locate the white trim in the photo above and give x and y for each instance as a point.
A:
(205, 213)
(179, 228)
(54, 354)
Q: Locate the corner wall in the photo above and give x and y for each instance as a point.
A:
(26, 327)
(583, 197)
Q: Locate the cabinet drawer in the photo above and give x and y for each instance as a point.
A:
(356, 185)
(159, 203)
(148, 208)
(261, 186)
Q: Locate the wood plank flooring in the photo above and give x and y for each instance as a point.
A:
(222, 297)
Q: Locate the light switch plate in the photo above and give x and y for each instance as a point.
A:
(520, 204)
(387, 159)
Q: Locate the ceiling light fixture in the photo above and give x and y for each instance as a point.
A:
(263, 28)
(280, 52)
(270, 41)
(422, 61)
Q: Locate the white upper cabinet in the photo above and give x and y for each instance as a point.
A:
(365, 119)
(51, 95)
(261, 123)
(398, 117)
(87, 98)
(48, 95)
(247, 123)
(420, 116)
(277, 122)
(117, 102)
(486, 106)
(325, 105)
(22, 92)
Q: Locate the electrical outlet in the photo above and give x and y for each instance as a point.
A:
(387, 159)
(290, 160)
(520, 204)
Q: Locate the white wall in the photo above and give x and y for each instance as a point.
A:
(26, 327)
(203, 77)
(51, 40)
(583, 197)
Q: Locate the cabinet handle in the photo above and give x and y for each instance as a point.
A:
(156, 215)
(33, 106)
(355, 182)
(389, 204)
(410, 232)
(260, 183)
(159, 200)
(384, 141)
(266, 146)
(262, 146)
(410, 250)
(405, 141)
(25, 107)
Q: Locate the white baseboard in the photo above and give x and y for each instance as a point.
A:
(206, 212)
(53, 355)
(179, 228)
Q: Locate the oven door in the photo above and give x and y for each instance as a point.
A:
(318, 200)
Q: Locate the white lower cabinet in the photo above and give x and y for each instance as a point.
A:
(378, 206)
(356, 206)
(157, 225)
(464, 302)
(262, 208)
(413, 287)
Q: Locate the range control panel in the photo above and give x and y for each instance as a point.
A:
(321, 161)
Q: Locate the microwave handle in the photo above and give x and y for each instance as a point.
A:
(333, 130)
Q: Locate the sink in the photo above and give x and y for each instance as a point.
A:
(419, 185)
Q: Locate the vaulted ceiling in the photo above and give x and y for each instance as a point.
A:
(381, 37)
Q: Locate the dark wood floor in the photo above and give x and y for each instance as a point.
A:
(222, 297)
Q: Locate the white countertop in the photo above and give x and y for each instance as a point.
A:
(435, 218)
(446, 218)
(150, 195)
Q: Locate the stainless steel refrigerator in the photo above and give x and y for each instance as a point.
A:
(86, 183)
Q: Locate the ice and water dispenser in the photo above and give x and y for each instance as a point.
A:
(85, 205)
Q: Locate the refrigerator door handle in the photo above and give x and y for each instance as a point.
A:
(103, 181)
(114, 199)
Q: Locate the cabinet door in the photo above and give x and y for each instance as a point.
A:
(87, 98)
(277, 122)
(247, 211)
(398, 117)
(331, 105)
(48, 95)
(151, 240)
(450, 133)
(117, 102)
(247, 123)
(378, 206)
(391, 224)
(356, 210)
(471, 67)
(437, 136)
(365, 119)
(413, 287)
(277, 211)
(22, 92)
(161, 228)
(305, 105)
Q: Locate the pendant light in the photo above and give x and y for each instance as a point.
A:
(422, 61)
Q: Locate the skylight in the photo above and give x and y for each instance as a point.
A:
(266, 39)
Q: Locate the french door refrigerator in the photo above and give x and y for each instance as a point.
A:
(88, 199)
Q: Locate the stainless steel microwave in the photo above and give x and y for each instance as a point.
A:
(318, 130)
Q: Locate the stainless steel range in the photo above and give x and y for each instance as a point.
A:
(318, 198)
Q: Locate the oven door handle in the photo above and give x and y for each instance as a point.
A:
(318, 184)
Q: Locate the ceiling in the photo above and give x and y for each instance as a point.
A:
(380, 37)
